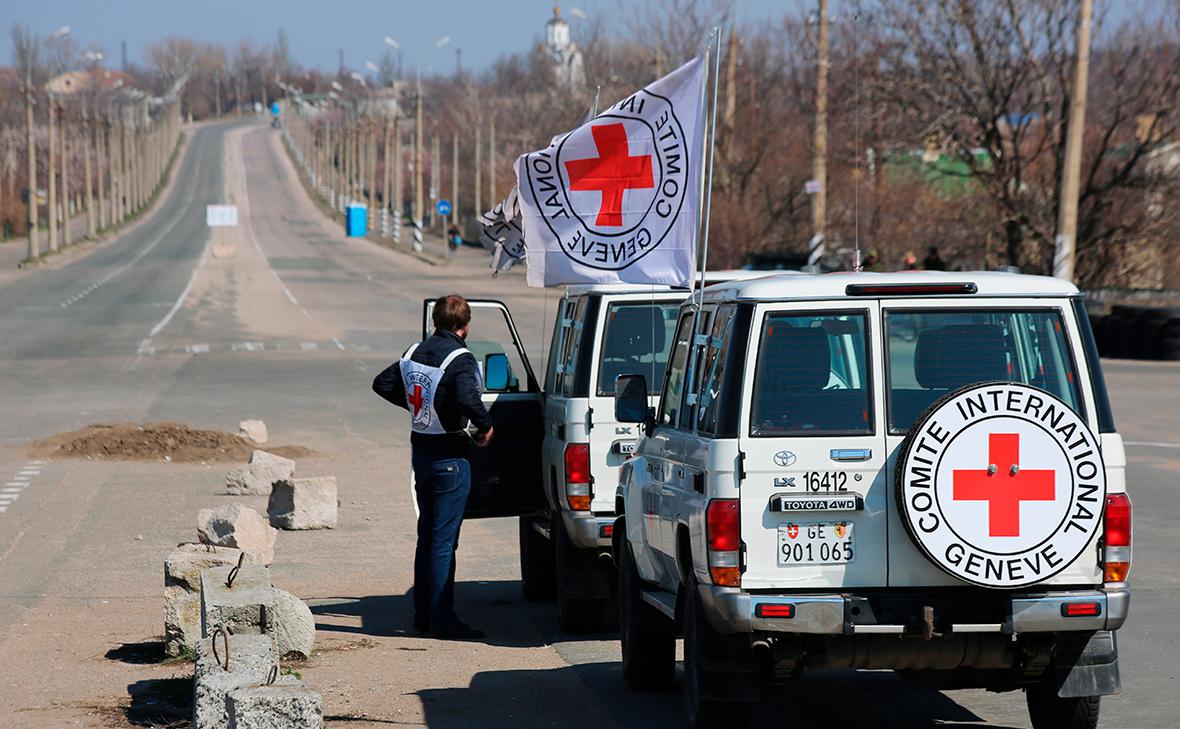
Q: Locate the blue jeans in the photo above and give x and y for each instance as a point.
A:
(443, 485)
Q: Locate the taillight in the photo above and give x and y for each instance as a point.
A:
(723, 535)
(577, 476)
(1117, 538)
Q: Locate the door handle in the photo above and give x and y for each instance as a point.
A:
(851, 454)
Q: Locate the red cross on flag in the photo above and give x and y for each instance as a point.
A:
(617, 200)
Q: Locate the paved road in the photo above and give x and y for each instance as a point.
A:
(284, 319)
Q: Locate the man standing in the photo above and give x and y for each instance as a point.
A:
(439, 383)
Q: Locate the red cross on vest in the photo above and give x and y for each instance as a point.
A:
(612, 172)
(1005, 487)
(416, 399)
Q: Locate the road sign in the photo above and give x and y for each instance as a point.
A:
(274, 108)
(221, 215)
(811, 187)
(443, 207)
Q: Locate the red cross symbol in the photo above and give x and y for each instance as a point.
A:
(1006, 487)
(416, 399)
(612, 173)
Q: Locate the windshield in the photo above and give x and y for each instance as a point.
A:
(636, 342)
(932, 353)
(811, 377)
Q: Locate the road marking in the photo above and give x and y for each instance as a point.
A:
(146, 344)
(197, 349)
(250, 230)
(138, 256)
(338, 344)
(1151, 444)
(12, 490)
(308, 346)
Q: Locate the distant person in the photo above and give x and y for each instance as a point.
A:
(444, 386)
(910, 261)
(872, 261)
(454, 238)
(933, 261)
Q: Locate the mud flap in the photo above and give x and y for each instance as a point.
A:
(1087, 667)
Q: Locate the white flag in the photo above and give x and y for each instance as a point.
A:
(617, 199)
(501, 233)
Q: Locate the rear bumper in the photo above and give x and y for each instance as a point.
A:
(587, 530)
(730, 610)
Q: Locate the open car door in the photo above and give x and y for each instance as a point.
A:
(506, 475)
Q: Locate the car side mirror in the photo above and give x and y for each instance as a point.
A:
(497, 372)
(631, 399)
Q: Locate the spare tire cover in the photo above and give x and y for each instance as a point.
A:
(1001, 484)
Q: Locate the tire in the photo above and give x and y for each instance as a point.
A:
(701, 643)
(1047, 710)
(648, 638)
(575, 615)
(538, 579)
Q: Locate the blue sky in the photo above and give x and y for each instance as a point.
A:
(483, 29)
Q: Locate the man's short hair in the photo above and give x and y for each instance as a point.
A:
(451, 313)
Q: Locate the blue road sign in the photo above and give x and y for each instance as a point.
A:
(443, 207)
(274, 108)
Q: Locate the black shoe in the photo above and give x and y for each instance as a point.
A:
(456, 631)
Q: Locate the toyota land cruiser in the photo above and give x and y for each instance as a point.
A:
(915, 471)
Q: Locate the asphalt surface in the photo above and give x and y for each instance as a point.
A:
(284, 319)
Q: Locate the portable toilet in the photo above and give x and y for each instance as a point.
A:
(356, 220)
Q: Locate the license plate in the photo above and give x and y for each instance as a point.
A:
(625, 448)
(826, 542)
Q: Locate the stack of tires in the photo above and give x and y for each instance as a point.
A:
(1138, 332)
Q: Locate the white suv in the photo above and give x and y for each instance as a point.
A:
(601, 332)
(914, 471)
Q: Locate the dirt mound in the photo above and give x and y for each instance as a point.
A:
(168, 441)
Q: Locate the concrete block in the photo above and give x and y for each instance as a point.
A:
(237, 525)
(241, 607)
(290, 624)
(182, 591)
(303, 503)
(254, 430)
(278, 706)
(250, 660)
(256, 476)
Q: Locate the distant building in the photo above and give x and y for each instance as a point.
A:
(566, 57)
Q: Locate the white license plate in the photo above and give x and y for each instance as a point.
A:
(826, 542)
(625, 448)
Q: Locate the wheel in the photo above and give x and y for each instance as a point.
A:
(1047, 710)
(537, 571)
(648, 637)
(574, 614)
(701, 645)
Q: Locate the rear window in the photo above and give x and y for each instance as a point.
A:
(933, 352)
(636, 341)
(812, 377)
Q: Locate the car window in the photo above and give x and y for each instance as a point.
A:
(554, 345)
(695, 368)
(713, 371)
(571, 342)
(674, 381)
(811, 376)
(932, 352)
(636, 340)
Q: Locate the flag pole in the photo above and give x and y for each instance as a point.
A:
(708, 202)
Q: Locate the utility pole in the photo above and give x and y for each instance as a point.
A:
(387, 173)
(398, 198)
(100, 134)
(1065, 250)
(418, 169)
(123, 52)
(65, 176)
(454, 178)
(492, 162)
(51, 172)
(88, 137)
(478, 165)
(34, 244)
(819, 173)
(435, 163)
